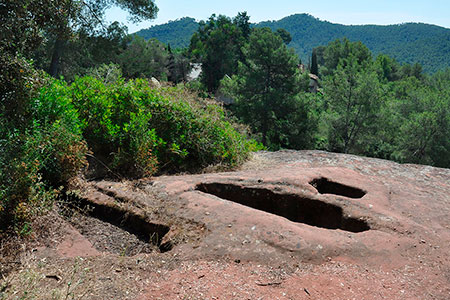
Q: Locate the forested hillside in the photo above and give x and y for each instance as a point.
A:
(425, 44)
(176, 33)
(410, 43)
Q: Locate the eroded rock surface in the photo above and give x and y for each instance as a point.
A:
(316, 205)
(288, 225)
(293, 207)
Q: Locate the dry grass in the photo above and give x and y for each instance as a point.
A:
(29, 273)
(256, 162)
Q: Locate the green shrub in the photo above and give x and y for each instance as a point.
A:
(133, 128)
(40, 142)
(18, 173)
(137, 130)
(57, 133)
(23, 194)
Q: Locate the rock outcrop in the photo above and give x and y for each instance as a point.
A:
(290, 225)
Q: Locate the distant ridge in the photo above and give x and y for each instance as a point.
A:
(176, 33)
(410, 43)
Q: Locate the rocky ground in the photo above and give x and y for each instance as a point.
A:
(287, 225)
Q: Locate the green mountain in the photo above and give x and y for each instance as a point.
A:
(176, 33)
(426, 44)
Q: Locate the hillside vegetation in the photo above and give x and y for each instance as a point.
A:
(176, 33)
(132, 126)
(410, 43)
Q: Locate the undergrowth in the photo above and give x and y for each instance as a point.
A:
(138, 130)
(50, 128)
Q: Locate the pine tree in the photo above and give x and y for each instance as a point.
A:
(217, 45)
(268, 91)
(171, 65)
(314, 66)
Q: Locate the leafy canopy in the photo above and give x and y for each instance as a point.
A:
(268, 88)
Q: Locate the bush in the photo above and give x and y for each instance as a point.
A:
(22, 192)
(136, 130)
(56, 132)
(41, 142)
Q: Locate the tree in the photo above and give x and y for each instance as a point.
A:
(170, 65)
(144, 59)
(268, 86)
(413, 71)
(339, 51)
(284, 34)
(314, 66)
(178, 66)
(22, 23)
(354, 97)
(217, 45)
(87, 15)
(422, 115)
(84, 51)
(387, 68)
(242, 21)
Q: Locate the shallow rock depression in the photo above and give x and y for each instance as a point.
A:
(290, 206)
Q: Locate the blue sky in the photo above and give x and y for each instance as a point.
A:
(381, 12)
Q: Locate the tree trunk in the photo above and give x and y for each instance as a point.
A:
(55, 65)
(264, 130)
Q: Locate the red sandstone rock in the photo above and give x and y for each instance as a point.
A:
(404, 254)
(308, 225)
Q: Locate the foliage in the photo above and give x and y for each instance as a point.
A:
(84, 51)
(56, 132)
(22, 192)
(137, 130)
(86, 16)
(388, 69)
(423, 113)
(379, 108)
(217, 45)
(22, 22)
(40, 141)
(144, 59)
(267, 97)
(354, 98)
(18, 83)
(343, 52)
(285, 35)
(408, 43)
(177, 33)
